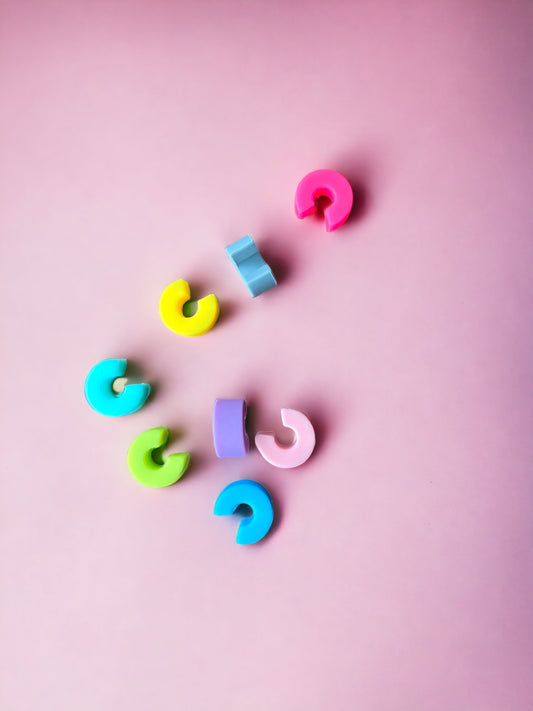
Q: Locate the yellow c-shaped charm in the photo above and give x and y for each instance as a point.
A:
(171, 310)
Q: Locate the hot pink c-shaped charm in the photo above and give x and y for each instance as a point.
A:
(295, 454)
(325, 183)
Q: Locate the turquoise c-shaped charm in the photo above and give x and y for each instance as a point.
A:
(99, 391)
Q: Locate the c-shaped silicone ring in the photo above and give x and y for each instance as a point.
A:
(325, 183)
(143, 466)
(171, 310)
(245, 491)
(229, 430)
(99, 391)
(298, 452)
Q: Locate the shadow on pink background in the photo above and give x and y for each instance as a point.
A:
(137, 140)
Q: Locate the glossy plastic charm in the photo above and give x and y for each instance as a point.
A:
(146, 469)
(229, 433)
(295, 454)
(246, 491)
(171, 304)
(99, 391)
(252, 268)
(325, 183)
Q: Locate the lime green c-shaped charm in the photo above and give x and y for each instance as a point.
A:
(143, 466)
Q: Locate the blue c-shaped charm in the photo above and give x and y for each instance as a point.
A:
(101, 396)
(245, 491)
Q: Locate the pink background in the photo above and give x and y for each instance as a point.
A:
(137, 139)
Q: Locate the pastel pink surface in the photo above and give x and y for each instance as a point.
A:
(295, 454)
(137, 140)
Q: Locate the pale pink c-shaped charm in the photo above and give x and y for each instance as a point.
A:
(295, 454)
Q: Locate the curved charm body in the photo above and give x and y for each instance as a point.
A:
(99, 391)
(325, 183)
(143, 466)
(174, 296)
(252, 268)
(229, 432)
(246, 491)
(295, 454)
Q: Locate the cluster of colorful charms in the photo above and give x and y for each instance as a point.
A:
(229, 427)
